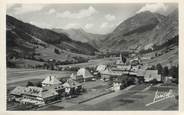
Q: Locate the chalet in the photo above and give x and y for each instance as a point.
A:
(85, 74)
(72, 87)
(76, 78)
(151, 75)
(38, 96)
(33, 95)
(50, 80)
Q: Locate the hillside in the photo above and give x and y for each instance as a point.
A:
(82, 36)
(28, 44)
(142, 31)
(60, 40)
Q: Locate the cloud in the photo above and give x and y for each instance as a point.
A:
(51, 11)
(110, 17)
(26, 8)
(81, 14)
(72, 25)
(107, 25)
(103, 25)
(156, 7)
(88, 26)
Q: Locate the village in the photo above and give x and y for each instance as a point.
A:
(90, 85)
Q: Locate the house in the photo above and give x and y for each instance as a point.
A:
(85, 74)
(135, 68)
(16, 94)
(33, 95)
(117, 86)
(101, 68)
(151, 75)
(72, 87)
(76, 78)
(105, 75)
(123, 67)
(38, 96)
(50, 80)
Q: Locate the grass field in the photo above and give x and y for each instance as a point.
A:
(17, 77)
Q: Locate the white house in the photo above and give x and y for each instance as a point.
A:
(101, 68)
(151, 74)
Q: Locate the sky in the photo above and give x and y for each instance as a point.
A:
(93, 18)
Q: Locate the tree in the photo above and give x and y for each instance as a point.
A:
(159, 68)
(29, 83)
(173, 72)
(165, 71)
(56, 51)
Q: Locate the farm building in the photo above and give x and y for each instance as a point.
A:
(50, 80)
(85, 74)
(151, 75)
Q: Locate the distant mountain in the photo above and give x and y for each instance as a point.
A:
(30, 42)
(142, 30)
(82, 36)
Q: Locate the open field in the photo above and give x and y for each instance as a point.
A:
(133, 98)
(17, 77)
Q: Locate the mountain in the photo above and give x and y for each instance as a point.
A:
(143, 30)
(82, 36)
(28, 42)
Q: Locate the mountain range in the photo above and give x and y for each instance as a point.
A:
(140, 32)
(27, 41)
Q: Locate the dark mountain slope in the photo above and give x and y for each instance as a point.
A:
(58, 39)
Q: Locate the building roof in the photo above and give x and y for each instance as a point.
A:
(85, 73)
(73, 76)
(39, 92)
(51, 80)
(124, 67)
(34, 91)
(18, 90)
(71, 83)
(101, 68)
(108, 71)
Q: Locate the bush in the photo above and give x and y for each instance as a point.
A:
(56, 51)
